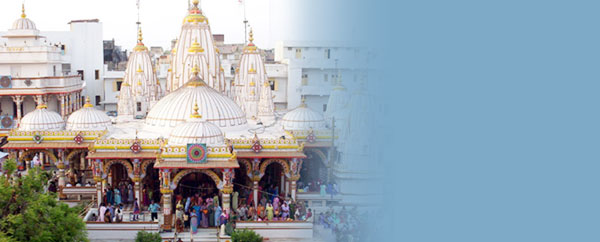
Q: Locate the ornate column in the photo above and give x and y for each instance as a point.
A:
(255, 179)
(227, 189)
(62, 105)
(97, 172)
(295, 165)
(61, 172)
(165, 189)
(136, 179)
(18, 99)
(38, 99)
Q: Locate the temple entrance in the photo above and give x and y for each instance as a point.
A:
(197, 183)
(118, 175)
(271, 182)
(313, 172)
(150, 185)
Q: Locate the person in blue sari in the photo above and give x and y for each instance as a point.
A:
(194, 221)
(117, 196)
(218, 211)
(198, 212)
(109, 196)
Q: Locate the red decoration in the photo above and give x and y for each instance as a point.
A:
(136, 147)
(311, 138)
(78, 139)
(257, 147)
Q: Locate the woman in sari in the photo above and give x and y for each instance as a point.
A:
(101, 212)
(218, 211)
(194, 221)
(269, 210)
(117, 196)
(136, 209)
(285, 211)
(204, 221)
(196, 207)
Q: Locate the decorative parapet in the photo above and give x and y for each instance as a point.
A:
(267, 144)
(125, 144)
(63, 135)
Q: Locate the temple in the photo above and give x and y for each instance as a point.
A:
(190, 138)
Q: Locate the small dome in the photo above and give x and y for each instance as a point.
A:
(302, 118)
(195, 130)
(41, 119)
(218, 109)
(23, 22)
(88, 118)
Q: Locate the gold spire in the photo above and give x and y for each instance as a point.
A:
(195, 114)
(251, 36)
(251, 47)
(195, 81)
(139, 69)
(303, 105)
(23, 15)
(195, 48)
(140, 38)
(252, 70)
(87, 103)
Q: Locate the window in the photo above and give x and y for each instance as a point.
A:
(272, 83)
(290, 48)
(80, 73)
(119, 83)
(325, 77)
(98, 100)
(298, 53)
(53, 70)
(232, 70)
(324, 107)
(138, 106)
(304, 79)
(327, 53)
(97, 74)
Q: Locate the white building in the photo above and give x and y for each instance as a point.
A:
(34, 73)
(312, 69)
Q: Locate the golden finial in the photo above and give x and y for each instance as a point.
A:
(87, 103)
(42, 105)
(23, 15)
(303, 102)
(140, 38)
(195, 114)
(195, 48)
(252, 70)
(195, 2)
(251, 36)
(139, 69)
(195, 69)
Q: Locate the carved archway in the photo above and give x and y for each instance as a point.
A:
(247, 166)
(320, 154)
(74, 153)
(283, 163)
(209, 173)
(125, 163)
(47, 152)
(144, 166)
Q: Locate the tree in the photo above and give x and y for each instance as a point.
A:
(245, 235)
(143, 236)
(29, 213)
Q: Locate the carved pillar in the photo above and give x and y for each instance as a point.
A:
(97, 172)
(61, 172)
(227, 189)
(62, 105)
(38, 99)
(295, 166)
(136, 179)
(165, 189)
(255, 179)
(18, 101)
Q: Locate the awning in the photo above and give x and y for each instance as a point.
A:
(123, 155)
(46, 145)
(270, 154)
(207, 165)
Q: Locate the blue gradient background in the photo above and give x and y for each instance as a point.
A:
(491, 127)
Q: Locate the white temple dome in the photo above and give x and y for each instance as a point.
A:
(302, 118)
(196, 130)
(41, 119)
(23, 22)
(88, 119)
(218, 109)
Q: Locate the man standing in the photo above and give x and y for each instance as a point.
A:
(153, 208)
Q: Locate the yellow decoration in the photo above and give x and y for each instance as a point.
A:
(195, 48)
(139, 69)
(42, 106)
(87, 103)
(23, 11)
(195, 114)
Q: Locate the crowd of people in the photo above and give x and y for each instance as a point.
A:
(318, 186)
(344, 224)
(121, 193)
(198, 212)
